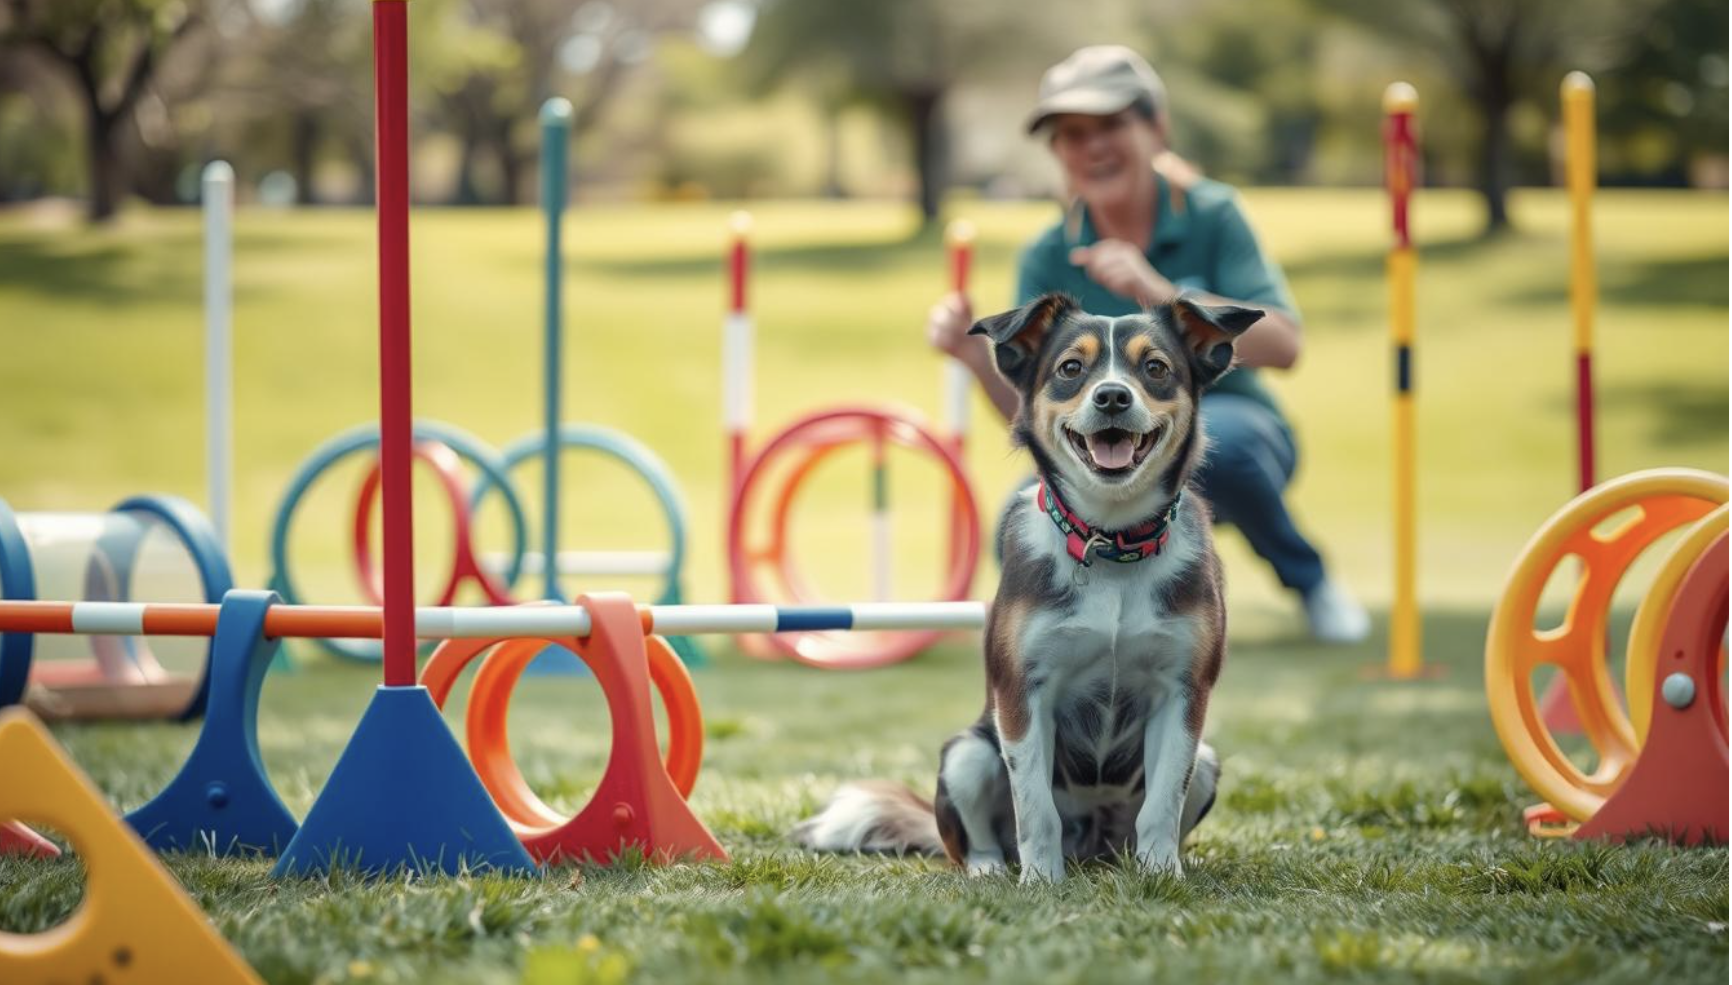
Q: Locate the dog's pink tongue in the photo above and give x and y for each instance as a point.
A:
(1111, 454)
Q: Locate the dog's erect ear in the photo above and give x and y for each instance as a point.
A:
(1018, 334)
(1209, 331)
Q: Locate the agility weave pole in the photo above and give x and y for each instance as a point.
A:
(402, 793)
(1401, 175)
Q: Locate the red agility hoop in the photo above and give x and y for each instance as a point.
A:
(464, 565)
(814, 438)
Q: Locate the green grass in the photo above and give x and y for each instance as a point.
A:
(1366, 830)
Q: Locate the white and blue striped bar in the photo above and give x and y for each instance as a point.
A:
(133, 618)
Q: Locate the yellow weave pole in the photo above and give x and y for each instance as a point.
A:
(1401, 173)
(1577, 95)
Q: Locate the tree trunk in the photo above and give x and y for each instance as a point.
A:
(511, 165)
(833, 154)
(925, 121)
(303, 150)
(102, 167)
(466, 193)
(1494, 155)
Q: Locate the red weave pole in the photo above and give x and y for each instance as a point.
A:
(1399, 152)
(739, 260)
(391, 122)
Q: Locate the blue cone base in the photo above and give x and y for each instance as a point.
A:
(403, 796)
(222, 801)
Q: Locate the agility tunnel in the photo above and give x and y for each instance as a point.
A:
(156, 548)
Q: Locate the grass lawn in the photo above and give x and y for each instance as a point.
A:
(1366, 829)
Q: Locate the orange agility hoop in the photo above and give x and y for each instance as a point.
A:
(640, 801)
(762, 566)
(758, 551)
(1604, 530)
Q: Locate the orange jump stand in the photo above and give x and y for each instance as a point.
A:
(1662, 765)
(640, 803)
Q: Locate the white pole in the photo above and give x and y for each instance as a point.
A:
(218, 197)
(958, 381)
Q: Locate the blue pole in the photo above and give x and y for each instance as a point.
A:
(555, 136)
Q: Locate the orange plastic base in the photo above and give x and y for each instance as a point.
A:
(640, 803)
(1677, 787)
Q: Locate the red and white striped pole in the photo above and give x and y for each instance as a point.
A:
(737, 350)
(958, 381)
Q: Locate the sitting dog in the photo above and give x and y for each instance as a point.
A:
(1108, 630)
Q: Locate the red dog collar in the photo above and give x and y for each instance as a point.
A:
(1125, 546)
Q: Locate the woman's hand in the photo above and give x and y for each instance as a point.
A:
(947, 326)
(1122, 269)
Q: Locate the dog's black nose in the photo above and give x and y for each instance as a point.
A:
(1113, 398)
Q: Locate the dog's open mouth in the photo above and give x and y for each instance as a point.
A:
(1114, 451)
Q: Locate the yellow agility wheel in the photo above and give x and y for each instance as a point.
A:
(1656, 501)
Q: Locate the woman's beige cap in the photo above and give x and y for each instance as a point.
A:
(1098, 80)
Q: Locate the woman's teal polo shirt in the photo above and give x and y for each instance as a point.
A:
(1207, 245)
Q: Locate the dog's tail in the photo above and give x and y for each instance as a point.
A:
(874, 816)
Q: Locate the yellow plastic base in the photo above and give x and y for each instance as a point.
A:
(135, 925)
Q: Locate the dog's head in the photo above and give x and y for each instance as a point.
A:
(1109, 405)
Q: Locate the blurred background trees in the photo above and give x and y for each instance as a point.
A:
(105, 99)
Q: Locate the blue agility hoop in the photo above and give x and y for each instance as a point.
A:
(638, 458)
(365, 438)
(17, 584)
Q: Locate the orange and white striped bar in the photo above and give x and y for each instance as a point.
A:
(432, 622)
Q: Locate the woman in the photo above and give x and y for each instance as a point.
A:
(1134, 236)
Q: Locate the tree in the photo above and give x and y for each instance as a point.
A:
(111, 50)
(499, 59)
(1500, 51)
(905, 56)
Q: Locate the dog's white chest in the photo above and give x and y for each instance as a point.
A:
(1115, 619)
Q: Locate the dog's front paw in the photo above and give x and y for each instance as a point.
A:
(983, 865)
(1048, 870)
(1159, 859)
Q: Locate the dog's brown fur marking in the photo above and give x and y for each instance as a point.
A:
(1004, 679)
(1136, 347)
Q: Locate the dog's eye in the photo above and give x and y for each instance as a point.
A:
(1070, 369)
(1157, 370)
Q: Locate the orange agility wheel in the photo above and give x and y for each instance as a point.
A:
(1645, 506)
(640, 802)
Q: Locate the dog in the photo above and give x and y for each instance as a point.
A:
(1108, 631)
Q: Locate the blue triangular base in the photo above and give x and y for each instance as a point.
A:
(222, 800)
(403, 795)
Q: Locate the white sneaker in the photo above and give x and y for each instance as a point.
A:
(1335, 615)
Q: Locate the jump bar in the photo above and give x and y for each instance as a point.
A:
(366, 622)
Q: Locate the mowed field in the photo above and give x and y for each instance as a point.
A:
(1366, 829)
